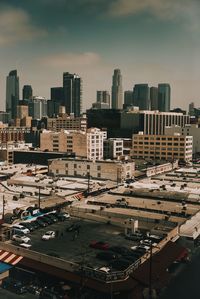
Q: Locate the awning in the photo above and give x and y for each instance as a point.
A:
(9, 257)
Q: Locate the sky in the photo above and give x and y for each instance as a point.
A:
(151, 41)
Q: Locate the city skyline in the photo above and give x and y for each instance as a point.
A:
(150, 42)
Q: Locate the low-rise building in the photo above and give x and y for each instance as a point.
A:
(106, 170)
(67, 122)
(162, 147)
(112, 148)
(188, 130)
(88, 144)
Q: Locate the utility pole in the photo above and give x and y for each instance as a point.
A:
(39, 196)
(88, 187)
(3, 211)
(150, 272)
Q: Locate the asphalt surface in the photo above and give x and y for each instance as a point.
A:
(4, 294)
(76, 248)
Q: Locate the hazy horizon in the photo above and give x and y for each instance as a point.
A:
(151, 41)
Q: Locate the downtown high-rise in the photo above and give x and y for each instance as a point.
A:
(164, 97)
(117, 90)
(141, 96)
(72, 93)
(12, 93)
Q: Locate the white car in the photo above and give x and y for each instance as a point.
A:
(20, 228)
(21, 239)
(49, 235)
(25, 245)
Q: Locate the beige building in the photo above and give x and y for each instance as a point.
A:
(107, 170)
(84, 144)
(162, 147)
(67, 122)
(64, 141)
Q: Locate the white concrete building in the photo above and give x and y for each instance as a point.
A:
(84, 144)
(95, 139)
(113, 148)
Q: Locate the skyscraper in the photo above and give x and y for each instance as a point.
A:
(164, 97)
(141, 96)
(103, 96)
(27, 92)
(57, 94)
(117, 90)
(128, 98)
(72, 93)
(12, 93)
(154, 98)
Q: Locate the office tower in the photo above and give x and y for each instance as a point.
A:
(37, 107)
(27, 92)
(53, 108)
(191, 108)
(72, 90)
(57, 94)
(164, 95)
(103, 96)
(12, 93)
(141, 96)
(128, 98)
(154, 98)
(117, 97)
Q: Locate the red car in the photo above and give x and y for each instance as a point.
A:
(99, 245)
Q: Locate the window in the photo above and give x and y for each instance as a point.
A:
(75, 166)
(88, 166)
(98, 167)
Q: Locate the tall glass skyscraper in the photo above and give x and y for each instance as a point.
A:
(27, 92)
(117, 90)
(164, 97)
(12, 94)
(72, 93)
(141, 96)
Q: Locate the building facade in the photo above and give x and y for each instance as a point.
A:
(27, 92)
(113, 148)
(67, 122)
(188, 130)
(116, 171)
(84, 144)
(72, 93)
(162, 147)
(37, 107)
(164, 97)
(117, 90)
(154, 98)
(103, 96)
(141, 96)
(12, 93)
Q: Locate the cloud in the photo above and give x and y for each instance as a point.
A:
(15, 26)
(64, 60)
(166, 9)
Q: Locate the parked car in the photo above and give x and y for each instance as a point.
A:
(99, 245)
(45, 220)
(41, 223)
(49, 235)
(62, 216)
(14, 286)
(20, 239)
(25, 245)
(23, 229)
(52, 217)
(35, 224)
(28, 225)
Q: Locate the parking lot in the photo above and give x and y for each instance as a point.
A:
(74, 245)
